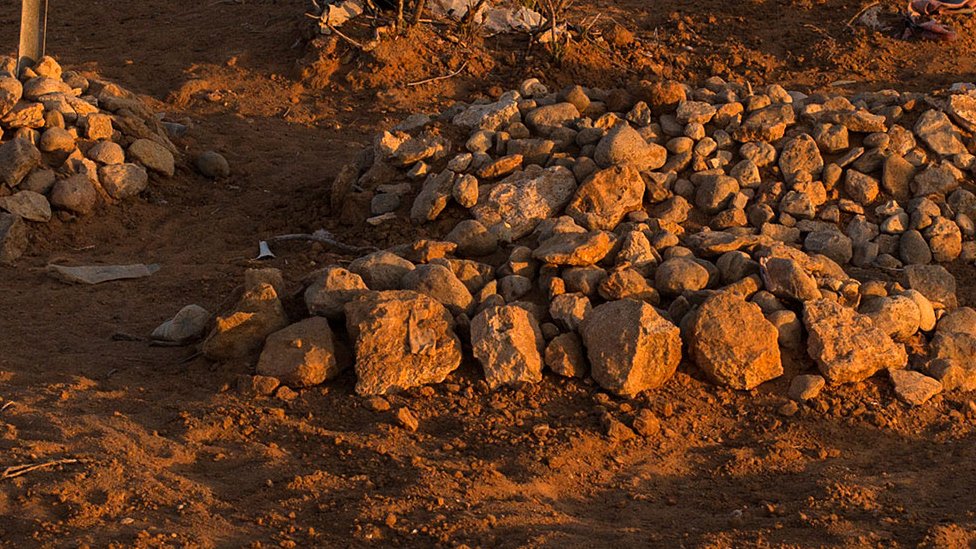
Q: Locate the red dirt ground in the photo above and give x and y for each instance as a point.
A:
(172, 455)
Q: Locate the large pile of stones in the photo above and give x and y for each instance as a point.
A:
(68, 144)
(613, 234)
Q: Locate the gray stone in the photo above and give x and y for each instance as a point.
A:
(381, 270)
(212, 164)
(153, 156)
(28, 205)
(17, 158)
(123, 180)
(442, 284)
(332, 289)
(13, 237)
(75, 194)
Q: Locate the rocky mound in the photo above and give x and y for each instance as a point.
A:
(69, 144)
(614, 235)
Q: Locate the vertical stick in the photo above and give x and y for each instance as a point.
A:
(33, 32)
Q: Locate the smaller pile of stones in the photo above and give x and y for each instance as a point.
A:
(70, 143)
(616, 233)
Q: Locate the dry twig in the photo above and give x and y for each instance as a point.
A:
(18, 470)
(437, 78)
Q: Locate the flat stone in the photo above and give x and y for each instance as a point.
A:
(153, 156)
(806, 387)
(574, 249)
(914, 388)
(515, 206)
(28, 205)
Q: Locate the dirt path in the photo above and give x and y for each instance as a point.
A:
(173, 455)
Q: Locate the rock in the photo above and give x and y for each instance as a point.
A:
(926, 314)
(831, 243)
(945, 240)
(440, 283)
(789, 328)
(862, 188)
(694, 112)
(13, 237)
(24, 115)
(56, 140)
(28, 205)
(97, 126)
(301, 355)
(407, 419)
(17, 158)
(678, 275)
(515, 206)
(647, 424)
(847, 346)
(767, 124)
(831, 138)
(631, 348)
(491, 116)
(189, 324)
(153, 156)
(564, 356)
(941, 178)
(332, 290)
(934, 282)
(913, 250)
(36, 87)
(962, 108)
(508, 344)
(257, 315)
(914, 388)
(473, 239)
(11, 90)
(897, 316)
(897, 177)
(75, 194)
(574, 249)
(953, 376)
(569, 310)
(603, 200)
(624, 145)
(541, 120)
(718, 348)
(787, 279)
(381, 270)
(212, 164)
(936, 130)
(106, 152)
(806, 387)
(123, 180)
(501, 167)
(40, 180)
(402, 339)
(465, 191)
(433, 197)
(800, 155)
(715, 192)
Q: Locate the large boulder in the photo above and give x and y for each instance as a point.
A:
(624, 145)
(301, 355)
(402, 339)
(508, 344)
(630, 346)
(847, 346)
(719, 348)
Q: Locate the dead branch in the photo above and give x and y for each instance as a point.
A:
(325, 237)
(19, 470)
(346, 38)
(438, 78)
(419, 12)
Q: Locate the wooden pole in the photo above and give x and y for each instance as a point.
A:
(33, 32)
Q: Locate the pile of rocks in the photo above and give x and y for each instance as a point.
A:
(615, 233)
(70, 143)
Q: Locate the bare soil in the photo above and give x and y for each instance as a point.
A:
(171, 454)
